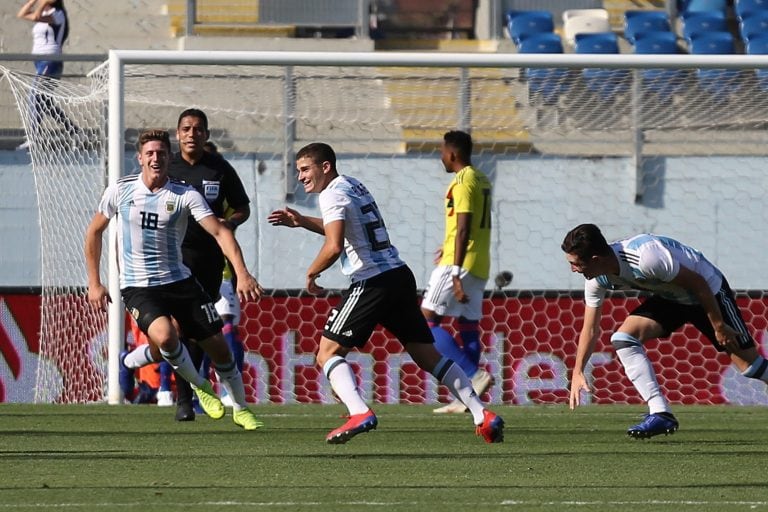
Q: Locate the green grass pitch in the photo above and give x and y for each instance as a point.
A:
(137, 458)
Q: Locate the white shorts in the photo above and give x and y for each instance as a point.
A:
(228, 304)
(438, 296)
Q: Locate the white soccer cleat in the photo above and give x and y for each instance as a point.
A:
(164, 399)
(482, 381)
(455, 407)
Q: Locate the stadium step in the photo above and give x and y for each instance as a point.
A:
(426, 104)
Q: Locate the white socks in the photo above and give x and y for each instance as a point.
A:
(343, 382)
(638, 368)
(457, 382)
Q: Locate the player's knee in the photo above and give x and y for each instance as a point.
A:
(621, 340)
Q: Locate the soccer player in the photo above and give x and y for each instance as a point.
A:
(215, 179)
(463, 262)
(152, 213)
(383, 291)
(685, 288)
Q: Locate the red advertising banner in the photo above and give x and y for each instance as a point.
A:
(529, 343)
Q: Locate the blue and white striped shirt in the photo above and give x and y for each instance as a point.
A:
(151, 227)
(648, 263)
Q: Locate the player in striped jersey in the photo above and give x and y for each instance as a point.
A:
(152, 213)
(383, 291)
(684, 287)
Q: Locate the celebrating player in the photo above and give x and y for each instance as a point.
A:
(156, 286)
(383, 291)
(685, 288)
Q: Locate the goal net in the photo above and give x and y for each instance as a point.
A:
(661, 145)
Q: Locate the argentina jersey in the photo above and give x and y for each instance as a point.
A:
(649, 263)
(367, 249)
(150, 229)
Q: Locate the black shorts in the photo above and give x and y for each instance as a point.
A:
(672, 315)
(183, 300)
(389, 299)
(207, 269)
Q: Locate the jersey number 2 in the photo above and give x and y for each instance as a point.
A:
(371, 227)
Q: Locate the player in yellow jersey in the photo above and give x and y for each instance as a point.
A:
(457, 284)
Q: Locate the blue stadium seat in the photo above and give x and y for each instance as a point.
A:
(746, 8)
(636, 22)
(758, 45)
(600, 42)
(664, 82)
(545, 83)
(753, 25)
(522, 24)
(702, 22)
(718, 82)
(688, 6)
(605, 82)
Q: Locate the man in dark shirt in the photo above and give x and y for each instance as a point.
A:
(219, 183)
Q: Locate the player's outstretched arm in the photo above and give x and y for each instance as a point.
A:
(293, 219)
(587, 340)
(98, 296)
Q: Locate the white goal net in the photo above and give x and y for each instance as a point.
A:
(632, 145)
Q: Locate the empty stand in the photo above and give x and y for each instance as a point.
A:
(663, 82)
(584, 21)
(544, 84)
(720, 83)
(747, 8)
(689, 6)
(758, 45)
(522, 24)
(703, 22)
(754, 25)
(605, 82)
(638, 22)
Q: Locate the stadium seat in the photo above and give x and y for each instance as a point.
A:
(754, 25)
(636, 22)
(746, 8)
(664, 82)
(758, 45)
(690, 6)
(545, 83)
(718, 82)
(605, 82)
(581, 21)
(703, 22)
(522, 24)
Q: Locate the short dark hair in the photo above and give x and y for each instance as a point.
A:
(194, 112)
(154, 134)
(319, 152)
(461, 142)
(585, 241)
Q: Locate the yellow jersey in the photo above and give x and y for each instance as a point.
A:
(469, 192)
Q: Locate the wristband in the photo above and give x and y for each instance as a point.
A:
(455, 271)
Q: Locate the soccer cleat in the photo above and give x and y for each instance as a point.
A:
(492, 429)
(482, 381)
(185, 412)
(357, 424)
(245, 418)
(125, 378)
(455, 407)
(164, 399)
(209, 401)
(654, 425)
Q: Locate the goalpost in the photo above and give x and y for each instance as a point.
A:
(630, 142)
